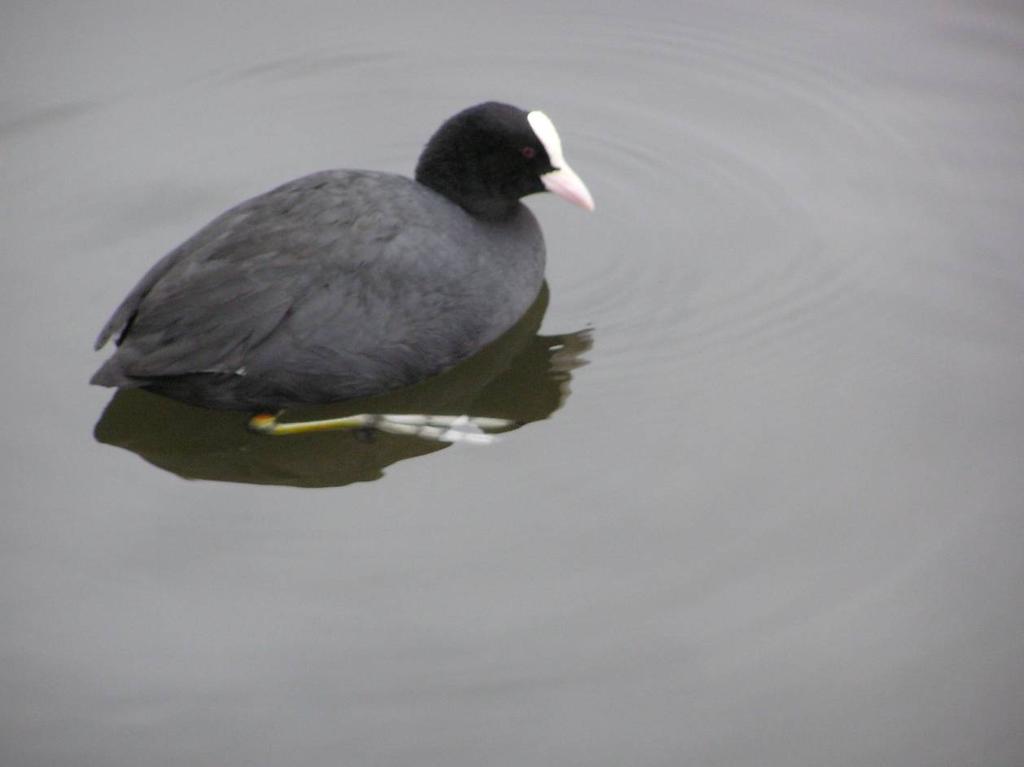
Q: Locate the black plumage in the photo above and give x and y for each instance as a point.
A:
(344, 283)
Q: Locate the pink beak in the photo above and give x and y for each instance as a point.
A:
(566, 184)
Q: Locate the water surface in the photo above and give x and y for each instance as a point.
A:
(775, 520)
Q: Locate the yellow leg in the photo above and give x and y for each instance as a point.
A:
(267, 423)
(439, 428)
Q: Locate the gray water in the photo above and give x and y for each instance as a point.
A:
(775, 519)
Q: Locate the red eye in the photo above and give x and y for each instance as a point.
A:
(528, 152)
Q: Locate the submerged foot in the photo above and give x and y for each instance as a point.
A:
(436, 428)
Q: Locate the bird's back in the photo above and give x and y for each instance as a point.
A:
(336, 285)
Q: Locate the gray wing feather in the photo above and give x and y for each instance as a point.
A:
(219, 293)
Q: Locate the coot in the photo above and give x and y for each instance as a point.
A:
(350, 283)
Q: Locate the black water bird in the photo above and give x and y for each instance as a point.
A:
(349, 283)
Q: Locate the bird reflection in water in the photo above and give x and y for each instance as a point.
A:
(520, 378)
